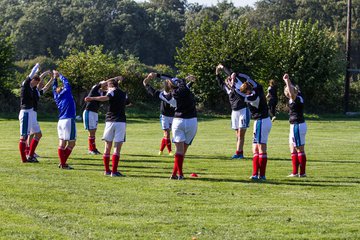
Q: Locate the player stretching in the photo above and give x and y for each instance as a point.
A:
(184, 125)
(115, 125)
(66, 125)
(166, 110)
(298, 128)
(90, 115)
(240, 115)
(27, 117)
(255, 97)
(38, 91)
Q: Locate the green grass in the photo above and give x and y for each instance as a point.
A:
(40, 201)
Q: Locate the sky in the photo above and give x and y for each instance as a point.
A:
(237, 3)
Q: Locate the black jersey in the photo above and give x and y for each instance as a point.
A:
(165, 108)
(26, 95)
(117, 102)
(256, 100)
(185, 101)
(237, 101)
(296, 110)
(273, 94)
(36, 97)
(94, 92)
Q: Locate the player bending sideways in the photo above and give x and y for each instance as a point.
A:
(28, 118)
(240, 115)
(184, 125)
(166, 110)
(91, 117)
(38, 91)
(115, 125)
(66, 124)
(298, 128)
(255, 98)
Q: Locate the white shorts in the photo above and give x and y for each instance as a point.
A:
(240, 118)
(114, 132)
(166, 122)
(90, 120)
(297, 134)
(184, 130)
(67, 129)
(261, 131)
(28, 122)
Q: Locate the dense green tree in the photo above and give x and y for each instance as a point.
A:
(85, 68)
(304, 50)
(6, 60)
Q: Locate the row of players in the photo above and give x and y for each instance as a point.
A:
(178, 114)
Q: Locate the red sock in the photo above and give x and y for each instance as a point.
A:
(163, 144)
(302, 161)
(61, 153)
(22, 147)
(255, 164)
(106, 160)
(239, 152)
(27, 149)
(168, 144)
(262, 163)
(33, 145)
(295, 162)
(92, 145)
(175, 168)
(115, 162)
(67, 153)
(180, 160)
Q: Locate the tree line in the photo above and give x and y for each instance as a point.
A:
(304, 38)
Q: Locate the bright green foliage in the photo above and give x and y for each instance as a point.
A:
(233, 44)
(6, 72)
(6, 60)
(309, 54)
(86, 68)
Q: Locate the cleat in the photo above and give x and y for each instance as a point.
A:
(116, 174)
(273, 119)
(262, 178)
(107, 173)
(94, 152)
(293, 175)
(181, 177)
(36, 155)
(254, 177)
(171, 154)
(303, 175)
(32, 160)
(174, 177)
(160, 153)
(237, 156)
(65, 167)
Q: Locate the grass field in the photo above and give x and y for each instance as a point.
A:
(40, 201)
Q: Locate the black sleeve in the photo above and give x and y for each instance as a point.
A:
(153, 92)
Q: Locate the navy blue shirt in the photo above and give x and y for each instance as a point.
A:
(296, 110)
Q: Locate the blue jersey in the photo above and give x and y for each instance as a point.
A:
(64, 99)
